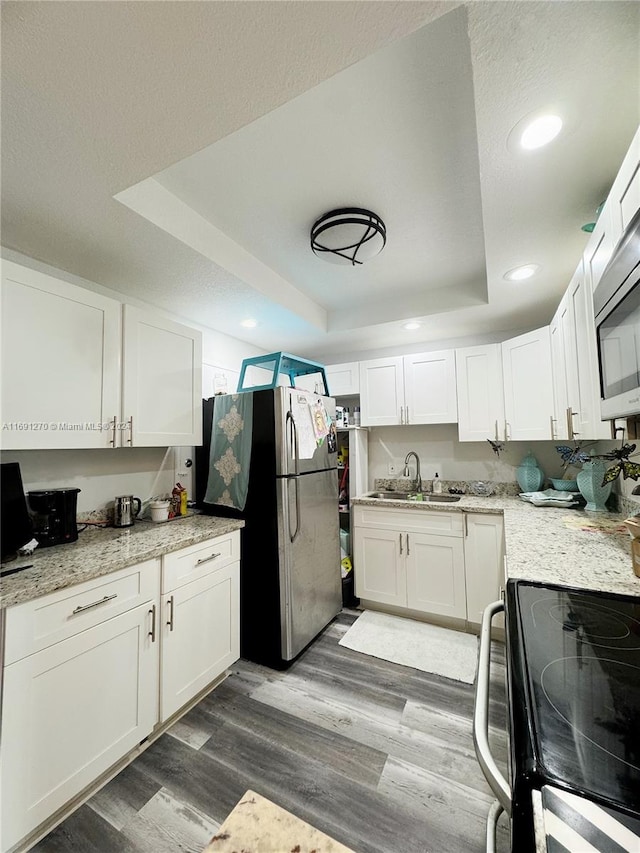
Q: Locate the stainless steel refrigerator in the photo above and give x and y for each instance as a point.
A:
(290, 584)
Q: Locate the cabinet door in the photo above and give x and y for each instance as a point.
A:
(200, 635)
(480, 393)
(430, 388)
(624, 198)
(60, 363)
(381, 392)
(70, 712)
(162, 381)
(343, 379)
(528, 386)
(380, 566)
(600, 247)
(559, 428)
(579, 336)
(483, 561)
(435, 574)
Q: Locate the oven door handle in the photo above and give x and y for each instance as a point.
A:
(492, 774)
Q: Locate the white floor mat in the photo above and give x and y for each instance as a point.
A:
(429, 648)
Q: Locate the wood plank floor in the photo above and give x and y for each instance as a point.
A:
(377, 755)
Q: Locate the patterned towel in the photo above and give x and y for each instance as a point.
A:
(230, 452)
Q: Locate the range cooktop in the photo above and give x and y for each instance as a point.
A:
(578, 668)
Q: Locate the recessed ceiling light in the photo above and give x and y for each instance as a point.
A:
(249, 324)
(411, 326)
(520, 273)
(541, 131)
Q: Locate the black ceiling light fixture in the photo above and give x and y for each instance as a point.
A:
(348, 236)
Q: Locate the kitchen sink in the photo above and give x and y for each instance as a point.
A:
(408, 496)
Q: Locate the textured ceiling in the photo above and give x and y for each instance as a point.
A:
(99, 96)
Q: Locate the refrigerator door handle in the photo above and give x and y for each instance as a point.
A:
(294, 443)
(293, 534)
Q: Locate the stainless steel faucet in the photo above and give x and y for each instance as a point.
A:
(418, 483)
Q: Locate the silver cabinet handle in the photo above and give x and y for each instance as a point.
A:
(152, 632)
(113, 427)
(406, 418)
(490, 770)
(552, 421)
(170, 622)
(497, 436)
(400, 541)
(208, 559)
(104, 600)
(572, 415)
(130, 439)
(401, 414)
(507, 431)
(466, 523)
(408, 551)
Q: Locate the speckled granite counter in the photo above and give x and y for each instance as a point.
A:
(101, 551)
(541, 547)
(256, 825)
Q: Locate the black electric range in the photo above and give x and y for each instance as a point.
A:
(573, 664)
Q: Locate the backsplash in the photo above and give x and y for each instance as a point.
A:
(405, 484)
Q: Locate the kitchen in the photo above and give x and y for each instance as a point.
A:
(152, 247)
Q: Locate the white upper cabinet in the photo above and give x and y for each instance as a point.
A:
(381, 392)
(162, 381)
(60, 363)
(528, 386)
(66, 382)
(415, 389)
(622, 203)
(343, 379)
(430, 388)
(581, 365)
(624, 198)
(480, 393)
(559, 422)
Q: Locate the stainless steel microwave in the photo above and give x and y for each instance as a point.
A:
(616, 302)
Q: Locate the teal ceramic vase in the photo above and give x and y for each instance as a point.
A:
(590, 485)
(529, 476)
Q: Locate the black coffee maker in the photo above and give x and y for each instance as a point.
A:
(53, 514)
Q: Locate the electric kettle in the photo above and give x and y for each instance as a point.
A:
(123, 513)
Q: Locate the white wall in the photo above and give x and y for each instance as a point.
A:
(439, 449)
(100, 474)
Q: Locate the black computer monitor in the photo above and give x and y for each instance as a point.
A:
(15, 523)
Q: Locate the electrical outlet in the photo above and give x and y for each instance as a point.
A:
(393, 469)
(436, 473)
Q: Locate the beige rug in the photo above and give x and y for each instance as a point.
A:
(452, 654)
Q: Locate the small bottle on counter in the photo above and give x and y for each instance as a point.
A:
(356, 416)
(345, 417)
(437, 485)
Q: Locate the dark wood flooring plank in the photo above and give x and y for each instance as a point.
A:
(84, 832)
(313, 790)
(285, 730)
(123, 797)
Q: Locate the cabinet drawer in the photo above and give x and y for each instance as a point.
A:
(199, 560)
(40, 623)
(416, 520)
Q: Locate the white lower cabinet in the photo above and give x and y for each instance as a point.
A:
(443, 563)
(90, 671)
(483, 561)
(410, 559)
(200, 635)
(72, 710)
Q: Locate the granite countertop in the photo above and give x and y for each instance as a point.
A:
(548, 544)
(256, 825)
(100, 551)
